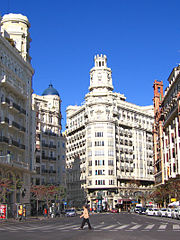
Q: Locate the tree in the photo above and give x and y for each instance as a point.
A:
(161, 195)
(6, 186)
(47, 193)
(173, 186)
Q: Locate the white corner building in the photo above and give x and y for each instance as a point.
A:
(16, 75)
(112, 142)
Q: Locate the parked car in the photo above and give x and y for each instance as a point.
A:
(137, 209)
(178, 213)
(142, 210)
(155, 211)
(152, 212)
(149, 212)
(168, 212)
(79, 211)
(162, 212)
(70, 213)
(114, 210)
(175, 213)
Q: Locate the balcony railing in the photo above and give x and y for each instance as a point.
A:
(52, 146)
(6, 120)
(15, 124)
(22, 146)
(7, 160)
(15, 143)
(4, 139)
(23, 111)
(16, 106)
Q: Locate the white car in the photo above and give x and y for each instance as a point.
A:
(149, 212)
(152, 212)
(175, 213)
(156, 211)
(162, 212)
(168, 212)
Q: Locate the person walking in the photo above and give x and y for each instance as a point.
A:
(85, 217)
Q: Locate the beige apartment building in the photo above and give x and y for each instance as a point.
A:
(49, 159)
(15, 107)
(109, 149)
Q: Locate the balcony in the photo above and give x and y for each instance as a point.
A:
(15, 143)
(8, 161)
(16, 106)
(23, 111)
(52, 158)
(52, 146)
(4, 120)
(22, 146)
(45, 145)
(45, 157)
(4, 139)
(15, 124)
(22, 129)
(13, 86)
(52, 171)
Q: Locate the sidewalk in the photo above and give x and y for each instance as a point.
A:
(29, 219)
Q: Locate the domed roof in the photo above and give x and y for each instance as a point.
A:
(50, 91)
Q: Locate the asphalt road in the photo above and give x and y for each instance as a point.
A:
(121, 226)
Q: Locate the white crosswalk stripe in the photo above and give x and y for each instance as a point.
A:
(122, 227)
(149, 227)
(162, 227)
(135, 227)
(109, 227)
(176, 227)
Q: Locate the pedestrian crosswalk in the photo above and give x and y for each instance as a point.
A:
(99, 227)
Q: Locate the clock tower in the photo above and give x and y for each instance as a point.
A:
(100, 75)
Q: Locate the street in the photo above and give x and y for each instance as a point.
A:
(125, 226)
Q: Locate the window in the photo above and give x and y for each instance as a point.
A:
(99, 162)
(99, 172)
(100, 182)
(110, 172)
(111, 182)
(110, 152)
(99, 143)
(89, 153)
(90, 163)
(98, 134)
(99, 153)
(110, 162)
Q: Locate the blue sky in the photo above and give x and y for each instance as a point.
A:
(141, 39)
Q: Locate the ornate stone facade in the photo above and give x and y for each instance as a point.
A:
(113, 141)
(15, 106)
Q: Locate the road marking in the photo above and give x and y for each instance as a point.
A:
(162, 227)
(135, 227)
(176, 227)
(108, 227)
(122, 227)
(149, 226)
